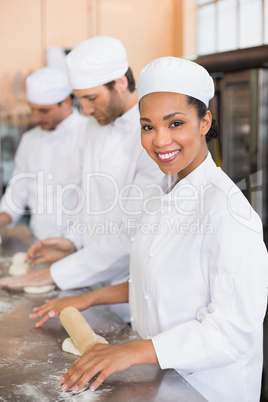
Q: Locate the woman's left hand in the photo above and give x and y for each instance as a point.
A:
(105, 360)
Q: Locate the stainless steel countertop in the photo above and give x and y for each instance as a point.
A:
(32, 361)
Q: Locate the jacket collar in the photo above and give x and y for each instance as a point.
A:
(195, 178)
(130, 117)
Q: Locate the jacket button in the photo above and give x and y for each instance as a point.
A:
(146, 297)
(151, 254)
(132, 319)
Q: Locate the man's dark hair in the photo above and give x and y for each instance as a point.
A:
(130, 79)
(71, 96)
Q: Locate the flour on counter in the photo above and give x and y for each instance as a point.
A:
(5, 308)
(5, 260)
(85, 395)
(32, 392)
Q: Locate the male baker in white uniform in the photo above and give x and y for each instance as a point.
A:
(117, 173)
(42, 162)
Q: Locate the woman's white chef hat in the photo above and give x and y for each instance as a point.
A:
(47, 86)
(171, 74)
(96, 62)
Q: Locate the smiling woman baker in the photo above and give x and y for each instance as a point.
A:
(197, 297)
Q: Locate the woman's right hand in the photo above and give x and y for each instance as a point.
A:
(52, 308)
(49, 250)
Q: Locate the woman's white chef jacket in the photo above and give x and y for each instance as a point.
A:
(114, 161)
(198, 285)
(46, 162)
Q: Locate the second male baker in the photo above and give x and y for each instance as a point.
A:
(114, 162)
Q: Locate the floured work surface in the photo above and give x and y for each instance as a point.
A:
(32, 361)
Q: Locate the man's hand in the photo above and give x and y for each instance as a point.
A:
(40, 277)
(5, 219)
(106, 360)
(49, 250)
(52, 308)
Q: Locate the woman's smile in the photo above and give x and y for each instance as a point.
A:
(167, 156)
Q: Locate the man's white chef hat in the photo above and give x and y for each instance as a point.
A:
(96, 62)
(171, 74)
(47, 86)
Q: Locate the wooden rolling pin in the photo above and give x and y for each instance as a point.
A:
(78, 329)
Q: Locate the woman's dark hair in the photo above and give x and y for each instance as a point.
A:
(130, 79)
(201, 112)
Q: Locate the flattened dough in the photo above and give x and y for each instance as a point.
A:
(19, 258)
(17, 269)
(39, 289)
(69, 347)
(18, 266)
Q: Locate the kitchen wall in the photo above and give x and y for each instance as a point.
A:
(148, 29)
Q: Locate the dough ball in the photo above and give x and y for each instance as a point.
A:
(19, 258)
(17, 269)
(39, 289)
(69, 347)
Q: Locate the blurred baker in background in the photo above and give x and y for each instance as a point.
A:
(117, 176)
(48, 167)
